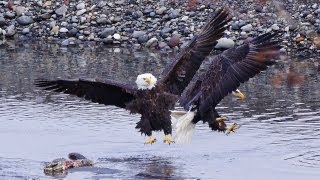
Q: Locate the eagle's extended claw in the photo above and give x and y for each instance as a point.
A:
(220, 120)
(151, 140)
(167, 139)
(232, 128)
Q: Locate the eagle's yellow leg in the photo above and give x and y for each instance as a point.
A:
(167, 139)
(151, 140)
(232, 128)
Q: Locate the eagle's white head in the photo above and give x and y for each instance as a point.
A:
(146, 81)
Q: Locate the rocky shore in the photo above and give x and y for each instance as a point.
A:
(161, 24)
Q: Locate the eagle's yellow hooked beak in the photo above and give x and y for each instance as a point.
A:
(148, 80)
(239, 94)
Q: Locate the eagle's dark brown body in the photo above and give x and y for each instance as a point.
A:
(154, 106)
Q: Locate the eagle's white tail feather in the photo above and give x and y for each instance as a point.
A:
(182, 123)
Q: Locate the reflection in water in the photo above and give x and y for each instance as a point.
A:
(279, 121)
(146, 167)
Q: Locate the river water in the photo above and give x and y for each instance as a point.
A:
(279, 136)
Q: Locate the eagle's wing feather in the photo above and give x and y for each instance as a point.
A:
(236, 66)
(179, 73)
(104, 92)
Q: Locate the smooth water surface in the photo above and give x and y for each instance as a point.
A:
(279, 137)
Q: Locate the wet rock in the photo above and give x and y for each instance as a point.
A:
(152, 14)
(275, 27)
(106, 32)
(142, 39)
(102, 4)
(73, 32)
(184, 18)
(80, 6)
(65, 42)
(20, 10)
(24, 20)
(80, 12)
(26, 31)
(225, 43)
(247, 28)
(316, 42)
(235, 26)
(103, 21)
(152, 42)
(119, 2)
(9, 15)
(174, 41)
(61, 11)
(174, 14)
(137, 34)
(258, 9)
(162, 45)
(63, 30)
(161, 10)
(165, 30)
(117, 36)
(2, 21)
(55, 29)
(107, 41)
(11, 30)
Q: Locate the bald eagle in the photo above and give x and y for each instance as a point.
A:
(223, 76)
(151, 98)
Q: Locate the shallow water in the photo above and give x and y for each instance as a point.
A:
(279, 137)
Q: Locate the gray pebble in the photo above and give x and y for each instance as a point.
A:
(152, 42)
(20, 10)
(161, 10)
(80, 6)
(24, 20)
(143, 39)
(225, 43)
(275, 27)
(106, 32)
(235, 26)
(80, 12)
(61, 10)
(247, 28)
(65, 42)
(73, 32)
(26, 31)
(63, 30)
(11, 30)
(137, 34)
(9, 15)
(2, 21)
(103, 21)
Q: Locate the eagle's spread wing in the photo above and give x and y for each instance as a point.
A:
(103, 92)
(236, 66)
(229, 69)
(177, 75)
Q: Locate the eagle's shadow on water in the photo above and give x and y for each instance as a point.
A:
(154, 167)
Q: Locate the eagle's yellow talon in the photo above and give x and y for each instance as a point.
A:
(221, 123)
(239, 94)
(167, 139)
(232, 128)
(151, 140)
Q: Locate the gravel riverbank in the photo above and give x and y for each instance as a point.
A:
(158, 23)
